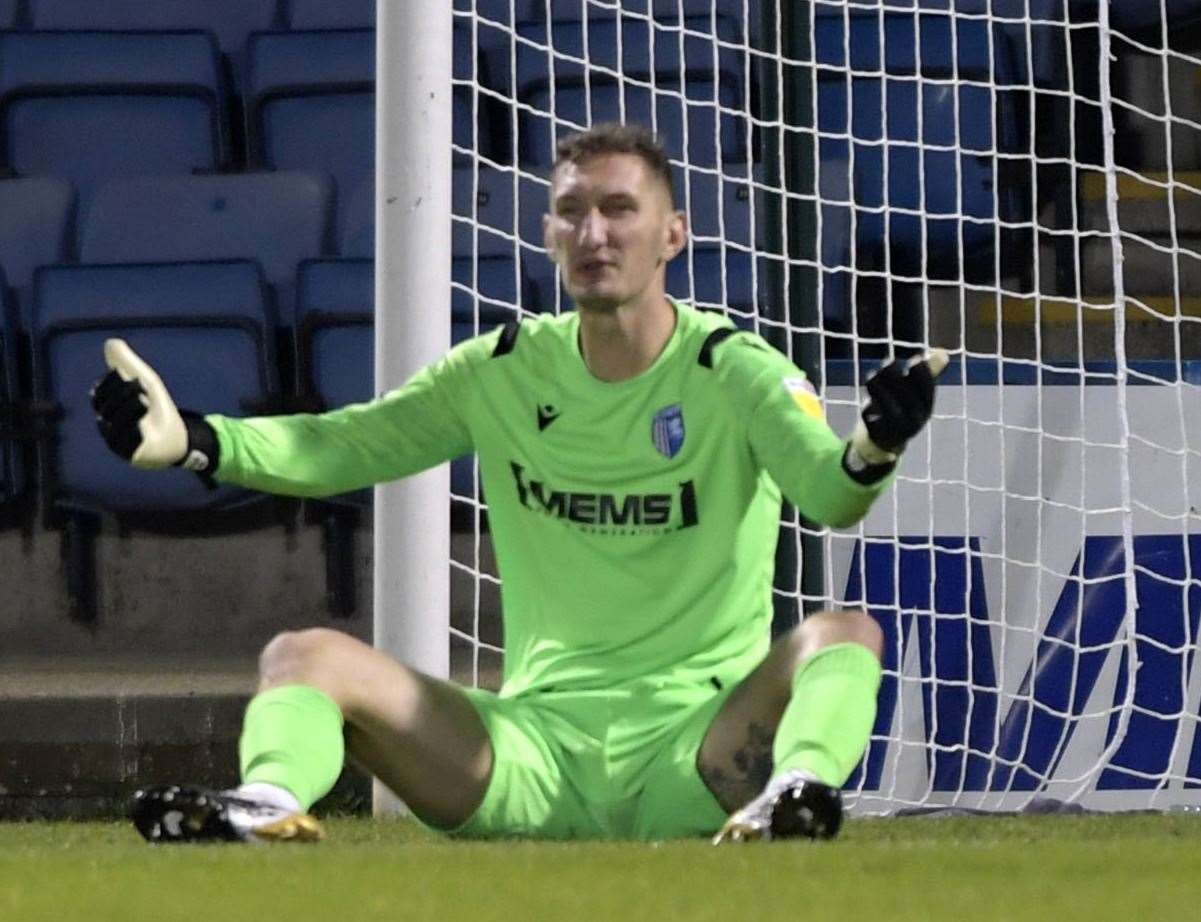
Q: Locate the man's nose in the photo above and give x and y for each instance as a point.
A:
(593, 228)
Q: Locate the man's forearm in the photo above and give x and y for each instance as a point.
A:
(837, 497)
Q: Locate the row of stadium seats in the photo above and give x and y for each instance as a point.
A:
(690, 86)
(308, 103)
(306, 99)
(152, 103)
(277, 219)
(192, 320)
(213, 332)
(282, 218)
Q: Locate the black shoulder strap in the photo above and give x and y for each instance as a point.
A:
(712, 341)
(508, 338)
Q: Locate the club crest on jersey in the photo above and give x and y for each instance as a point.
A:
(667, 430)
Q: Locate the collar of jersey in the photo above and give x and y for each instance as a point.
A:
(664, 357)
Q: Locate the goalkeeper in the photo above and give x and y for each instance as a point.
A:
(634, 453)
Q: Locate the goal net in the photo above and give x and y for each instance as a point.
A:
(1017, 181)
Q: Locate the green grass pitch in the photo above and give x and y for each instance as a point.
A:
(1130, 868)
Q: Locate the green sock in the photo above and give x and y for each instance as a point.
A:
(828, 721)
(292, 737)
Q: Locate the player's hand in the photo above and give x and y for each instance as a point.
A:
(139, 420)
(900, 402)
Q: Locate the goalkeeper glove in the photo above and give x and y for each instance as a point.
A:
(900, 401)
(140, 422)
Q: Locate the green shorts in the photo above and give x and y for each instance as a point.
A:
(618, 763)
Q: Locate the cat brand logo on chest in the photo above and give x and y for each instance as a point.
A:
(667, 430)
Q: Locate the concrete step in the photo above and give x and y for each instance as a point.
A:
(77, 737)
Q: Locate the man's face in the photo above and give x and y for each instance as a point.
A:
(611, 229)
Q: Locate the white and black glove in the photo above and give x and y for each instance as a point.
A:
(139, 421)
(900, 402)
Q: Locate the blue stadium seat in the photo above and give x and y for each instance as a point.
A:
(682, 94)
(88, 106)
(336, 313)
(719, 207)
(310, 103)
(187, 321)
(335, 341)
(336, 367)
(39, 233)
(322, 14)
(940, 195)
(493, 224)
(487, 292)
(489, 289)
(231, 21)
(486, 224)
(721, 278)
(277, 219)
(482, 203)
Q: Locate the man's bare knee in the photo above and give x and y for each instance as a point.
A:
(301, 657)
(827, 628)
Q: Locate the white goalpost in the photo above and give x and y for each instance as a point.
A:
(1017, 181)
(411, 595)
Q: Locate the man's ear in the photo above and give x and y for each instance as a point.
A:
(677, 235)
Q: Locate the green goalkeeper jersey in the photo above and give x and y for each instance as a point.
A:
(634, 522)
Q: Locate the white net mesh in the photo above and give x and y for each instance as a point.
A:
(1018, 181)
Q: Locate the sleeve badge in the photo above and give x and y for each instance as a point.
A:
(804, 396)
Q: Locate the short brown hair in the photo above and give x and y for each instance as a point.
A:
(616, 138)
